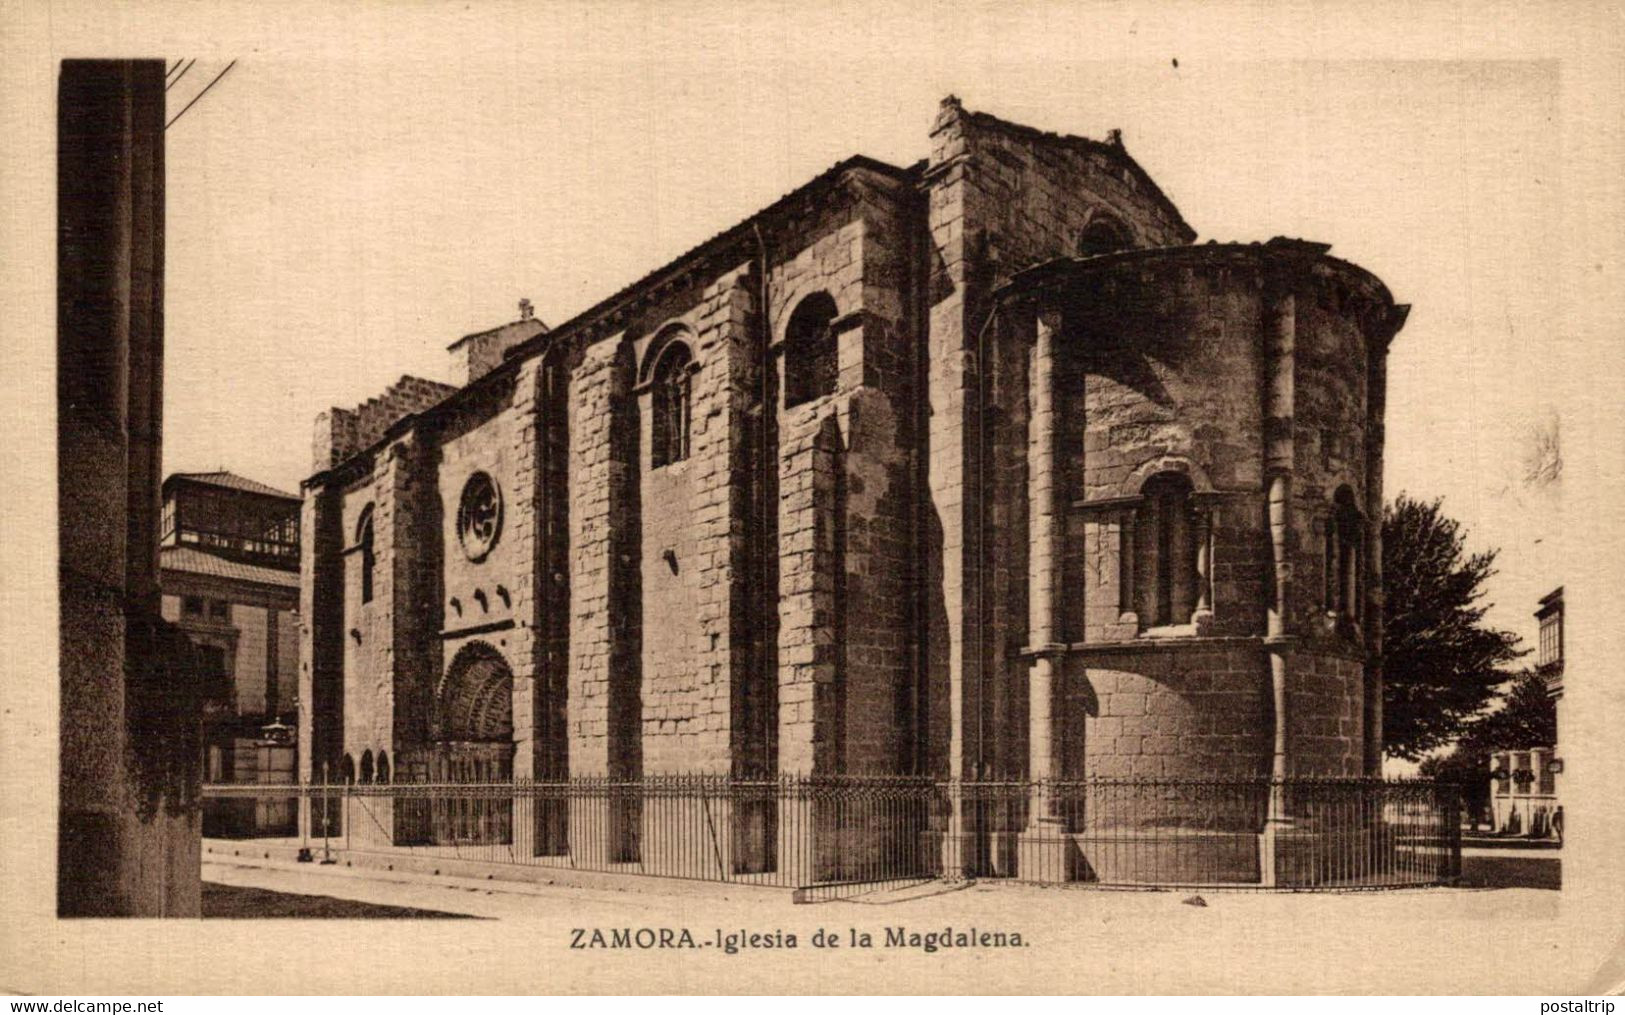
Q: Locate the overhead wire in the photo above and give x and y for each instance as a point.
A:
(200, 95)
(182, 74)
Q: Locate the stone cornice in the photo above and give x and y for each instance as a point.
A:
(468, 632)
(1279, 261)
(1191, 643)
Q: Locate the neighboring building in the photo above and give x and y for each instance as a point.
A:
(1549, 658)
(230, 560)
(975, 469)
(127, 825)
(1526, 798)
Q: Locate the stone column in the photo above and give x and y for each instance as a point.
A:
(1280, 320)
(127, 839)
(1202, 617)
(1128, 608)
(321, 639)
(1376, 406)
(1043, 850)
(1044, 555)
(1351, 577)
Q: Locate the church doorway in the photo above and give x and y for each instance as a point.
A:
(472, 730)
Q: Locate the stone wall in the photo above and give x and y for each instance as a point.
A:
(846, 501)
(696, 646)
(369, 627)
(846, 584)
(1162, 370)
(487, 595)
(1325, 727)
(1169, 362)
(536, 568)
(342, 433)
(1000, 198)
(605, 683)
(474, 356)
(1197, 711)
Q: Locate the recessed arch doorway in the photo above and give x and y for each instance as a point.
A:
(471, 728)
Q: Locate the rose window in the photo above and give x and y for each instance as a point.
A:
(479, 516)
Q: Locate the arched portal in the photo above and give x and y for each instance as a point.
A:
(474, 702)
(471, 725)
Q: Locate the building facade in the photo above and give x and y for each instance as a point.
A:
(1525, 795)
(975, 469)
(229, 559)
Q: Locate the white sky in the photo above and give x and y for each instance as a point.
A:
(335, 220)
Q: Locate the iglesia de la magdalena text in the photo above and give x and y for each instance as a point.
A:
(979, 470)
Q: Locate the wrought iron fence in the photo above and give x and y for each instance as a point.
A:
(1296, 834)
(821, 835)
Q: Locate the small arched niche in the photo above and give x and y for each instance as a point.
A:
(811, 353)
(1105, 234)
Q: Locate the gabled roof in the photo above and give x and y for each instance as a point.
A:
(230, 481)
(1112, 148)
(194, 561)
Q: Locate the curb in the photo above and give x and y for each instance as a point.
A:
(247, 853)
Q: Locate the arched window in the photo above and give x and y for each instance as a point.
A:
(383, 767)
(1103, 235)
(1344, 556)
(672, 392)
(1165, 547)
(363, 542)
(347, 770)
(811, 358)
(366, 766)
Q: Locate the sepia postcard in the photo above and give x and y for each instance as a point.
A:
(812, 498)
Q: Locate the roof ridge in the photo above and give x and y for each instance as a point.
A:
(602, 306)
(198, 560)
(238, 481)
(1112, 145)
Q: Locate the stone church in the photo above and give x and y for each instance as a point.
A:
(975, 469)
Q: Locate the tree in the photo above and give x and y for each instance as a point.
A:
(1441, 664)
(1527, 719)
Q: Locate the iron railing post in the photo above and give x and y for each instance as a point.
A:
(327, 852)
(836, 833)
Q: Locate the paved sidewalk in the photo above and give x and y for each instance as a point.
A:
(1080, 939)
(652, 899)
(489, 898)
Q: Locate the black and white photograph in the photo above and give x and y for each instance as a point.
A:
(811, 499)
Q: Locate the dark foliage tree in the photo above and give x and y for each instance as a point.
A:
(1527, 719)
(1441, 664)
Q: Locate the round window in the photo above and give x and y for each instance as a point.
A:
(479, 516)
